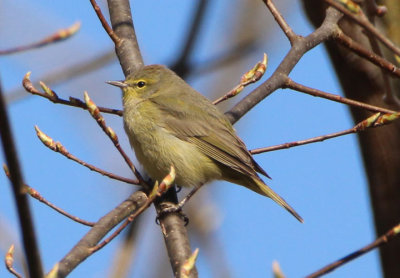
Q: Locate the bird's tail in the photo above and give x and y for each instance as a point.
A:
(263, 189)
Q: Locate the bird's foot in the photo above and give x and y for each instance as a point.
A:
(168, 207)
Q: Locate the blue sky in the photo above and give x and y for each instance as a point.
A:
(324, 182)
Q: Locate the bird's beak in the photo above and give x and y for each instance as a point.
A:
(120, 84)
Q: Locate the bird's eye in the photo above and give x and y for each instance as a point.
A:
(141, 84)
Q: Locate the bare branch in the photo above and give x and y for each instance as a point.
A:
(157, 191)
(365, 53)
(60, 35)
(318, 93)
(128, 49)
(363, 21)
(53, 97)
(175, 235)
(82, 249)
(95, 112)
(253, 75)
(24, 213)
(390, 235)
(36, 195)
(303, 142)
(58, 147)
(326, 31)
(375, 120)
(66, 73)
(292, 36)
(105, 24)
(380, 150)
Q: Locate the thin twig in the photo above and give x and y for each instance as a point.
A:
(363, 21)
(380, 150)
(248, 78)
(358, 16)
(292, 36)
(58, 147)
(374, 121)
(36, 195)
(326, 31)
(157, 191)
(359, 49)
(105, 24)
(318, 93)
(389, 97)
(391, 234)
(53, 97)
(24, 213)
(81, 250)
(302, 142)
(95, 113)
(66, 73)
(60, 35)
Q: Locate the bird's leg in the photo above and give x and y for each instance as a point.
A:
(187, 197)
(168, 207)
(171, 208)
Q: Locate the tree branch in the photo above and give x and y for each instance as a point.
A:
(318, 93)
(363, 82)
(390, 235)
(82, 249)
(24, 213)
(127, 50)
(292, 36)
(278, 78)
(58, 36)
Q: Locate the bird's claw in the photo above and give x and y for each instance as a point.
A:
(167, 207)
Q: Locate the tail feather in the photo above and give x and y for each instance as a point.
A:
(263, 189)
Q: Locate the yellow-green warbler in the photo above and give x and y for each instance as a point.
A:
(169, 123)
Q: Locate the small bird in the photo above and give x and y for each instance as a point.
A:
(170, 123)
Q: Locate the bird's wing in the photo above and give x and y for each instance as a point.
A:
(209, 130)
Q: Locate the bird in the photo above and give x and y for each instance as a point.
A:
(170, 123)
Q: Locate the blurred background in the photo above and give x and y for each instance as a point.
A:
(239, 233)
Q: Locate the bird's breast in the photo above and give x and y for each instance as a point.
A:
(157, 149)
